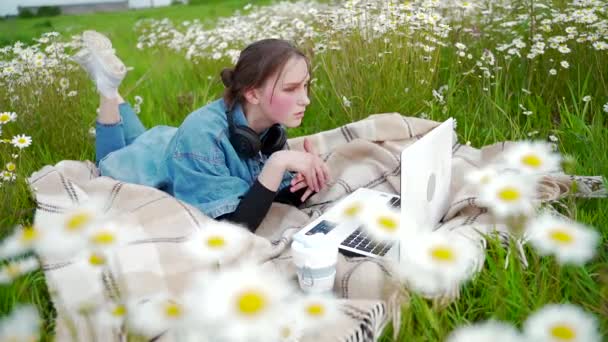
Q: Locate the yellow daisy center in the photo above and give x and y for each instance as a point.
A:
(216, 241)
(97, 259)
(315, 310)
(563, 332)
(388, 223)
(11, 166)
(509, 194)
(442, 254)
(285, 332)
(250, 303)
(21, 140)
(119, 311)
(173, 310)
(13, 270)
(4, 118)
(561, 236)
(28, 234)
(485, 179)
(103, 238)
(78, 221)
(352, 210)
(531, 160)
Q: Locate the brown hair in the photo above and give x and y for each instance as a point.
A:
(256, 63)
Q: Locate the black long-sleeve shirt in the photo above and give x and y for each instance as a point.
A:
(256, 202)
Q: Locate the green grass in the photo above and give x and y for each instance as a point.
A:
(172, 88)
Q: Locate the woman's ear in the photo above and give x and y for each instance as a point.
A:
(252, 96)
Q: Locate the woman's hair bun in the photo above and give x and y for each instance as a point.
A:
(226, 75)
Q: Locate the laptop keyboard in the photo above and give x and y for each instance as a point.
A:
(361, 241)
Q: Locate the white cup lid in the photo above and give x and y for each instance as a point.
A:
(314, 251)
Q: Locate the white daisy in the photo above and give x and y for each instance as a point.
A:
(8, 176)
(6, 117)
(92, 132)
(111, 315)
(533, 157)
(465, 5)
(564, 64)
(23, 324)
(432, 263)
(605, 107)
(290, 330)
(10, 166)
(21, 141)
(552, 72)
(97, 260)
(152, 316)
(218, 242)
(587, 98)
(560, 323)
(481, 176)
(385, 223)
(487, 331)
(19, 242)
(15, 269)
(64, 82)
(104, 236)
(241, 303)
(564, 49)
(67, 233)
(508, 195)
(569, 241)
(349, 211)
(315, 312)
(345, 101)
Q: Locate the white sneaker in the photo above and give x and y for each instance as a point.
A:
(96, 42)
(83, 58)
(98, 59)
(93, 42)
(108, 72)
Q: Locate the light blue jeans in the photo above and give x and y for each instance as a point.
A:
(112, 137)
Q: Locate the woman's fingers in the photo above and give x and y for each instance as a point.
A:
(308, 146)
(298, 186)
(314, 179)
(297, 178)
(307, 194)
(320, 176)
(311, 179)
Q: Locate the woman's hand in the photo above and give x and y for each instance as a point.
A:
(321, 173)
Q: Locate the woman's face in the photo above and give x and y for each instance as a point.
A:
(285, 103)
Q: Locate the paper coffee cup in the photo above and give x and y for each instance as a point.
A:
(315, 259)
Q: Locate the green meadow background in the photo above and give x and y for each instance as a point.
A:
(172, 87)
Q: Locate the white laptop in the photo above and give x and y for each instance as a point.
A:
(425, 180)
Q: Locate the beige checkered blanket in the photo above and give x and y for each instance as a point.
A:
(361, 154)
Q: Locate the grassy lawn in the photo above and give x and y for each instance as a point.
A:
(384, 75)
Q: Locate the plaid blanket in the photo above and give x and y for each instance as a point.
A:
(360, 154)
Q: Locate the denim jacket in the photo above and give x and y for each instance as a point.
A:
(196, 162)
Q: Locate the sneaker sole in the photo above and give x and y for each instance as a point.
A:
(96, 41)
(110, 65)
